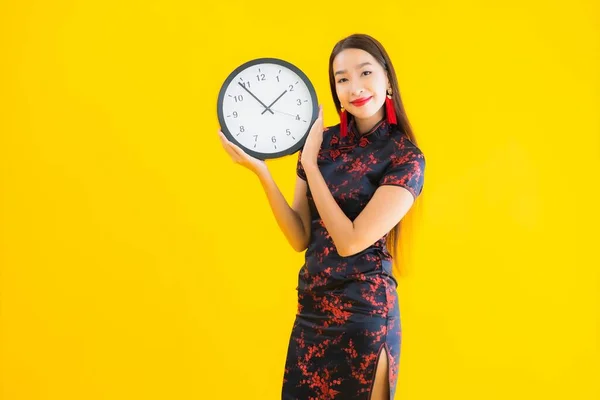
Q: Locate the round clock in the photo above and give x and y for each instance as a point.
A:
(267, 107)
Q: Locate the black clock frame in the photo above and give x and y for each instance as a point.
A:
(307, 82)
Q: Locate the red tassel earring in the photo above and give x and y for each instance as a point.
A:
(343, 123)
(389, 108)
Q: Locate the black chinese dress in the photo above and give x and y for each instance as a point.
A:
(348, 306)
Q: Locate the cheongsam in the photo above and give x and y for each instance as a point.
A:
(348, 306)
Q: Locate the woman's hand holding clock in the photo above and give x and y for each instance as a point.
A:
(313, 142)
(239, 156)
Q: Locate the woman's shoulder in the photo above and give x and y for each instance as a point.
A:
(333, 127)
(403, 144)
(332, 130)
(331, 135)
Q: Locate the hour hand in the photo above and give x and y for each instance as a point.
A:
(274, 101)
(257, 99)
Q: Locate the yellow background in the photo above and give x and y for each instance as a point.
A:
(139, 262)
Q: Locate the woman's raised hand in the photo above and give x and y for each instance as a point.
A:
(239, 156)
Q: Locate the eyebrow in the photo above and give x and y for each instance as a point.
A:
(343, 71)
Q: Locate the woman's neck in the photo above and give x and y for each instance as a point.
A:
(364, 125)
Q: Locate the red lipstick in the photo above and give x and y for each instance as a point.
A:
(361, 102)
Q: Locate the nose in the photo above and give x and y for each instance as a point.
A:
(356, 89)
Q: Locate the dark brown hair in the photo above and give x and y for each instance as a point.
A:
(373, 47)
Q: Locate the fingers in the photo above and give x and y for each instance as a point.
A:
(234, 147)
(227, 145)
(320, 118)
(237, 150)
(221, 137)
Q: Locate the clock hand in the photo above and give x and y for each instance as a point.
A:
(257, 99)
(281, 112)
(270, 105)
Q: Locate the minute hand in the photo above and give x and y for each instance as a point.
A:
(257, 99)
(271, 105)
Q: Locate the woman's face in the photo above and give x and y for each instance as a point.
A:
(361, 84)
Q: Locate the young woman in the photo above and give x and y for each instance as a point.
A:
(356, 181)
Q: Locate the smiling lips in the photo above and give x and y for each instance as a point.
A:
(361, 102)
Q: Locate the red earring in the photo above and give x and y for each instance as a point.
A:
(389, 108)
(343, 123)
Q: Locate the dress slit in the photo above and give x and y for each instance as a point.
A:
(389, 366)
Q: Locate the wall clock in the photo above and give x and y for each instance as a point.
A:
(267, 106)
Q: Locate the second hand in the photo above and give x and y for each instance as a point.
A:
(281, 112)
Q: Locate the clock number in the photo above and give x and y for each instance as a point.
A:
(255, 137)
(260, 77)
(299, 102)
(246, 84)
(242, 128)
(273, 139)
(288, 132)
(239, 97)
(291, 88)
(297, 117)
(235, 114)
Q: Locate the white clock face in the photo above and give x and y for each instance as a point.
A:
(267, 107)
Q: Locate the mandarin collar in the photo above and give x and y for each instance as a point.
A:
(380, 129)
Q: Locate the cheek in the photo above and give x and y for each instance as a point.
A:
(341, 94)
(378, 86)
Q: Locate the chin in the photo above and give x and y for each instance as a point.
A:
(364, 113)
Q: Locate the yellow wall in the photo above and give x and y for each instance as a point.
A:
(139, 262)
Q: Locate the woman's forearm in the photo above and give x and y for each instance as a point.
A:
(288, 220)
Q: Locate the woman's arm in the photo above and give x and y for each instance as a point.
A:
(338, 225)
(386, 208)
(293, 221)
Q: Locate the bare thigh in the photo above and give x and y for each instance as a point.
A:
(381, 386)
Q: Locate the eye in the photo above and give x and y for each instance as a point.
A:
(342, 80)
(367, 72)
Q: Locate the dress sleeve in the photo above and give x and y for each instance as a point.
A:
(299, 168)
(406, 170)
